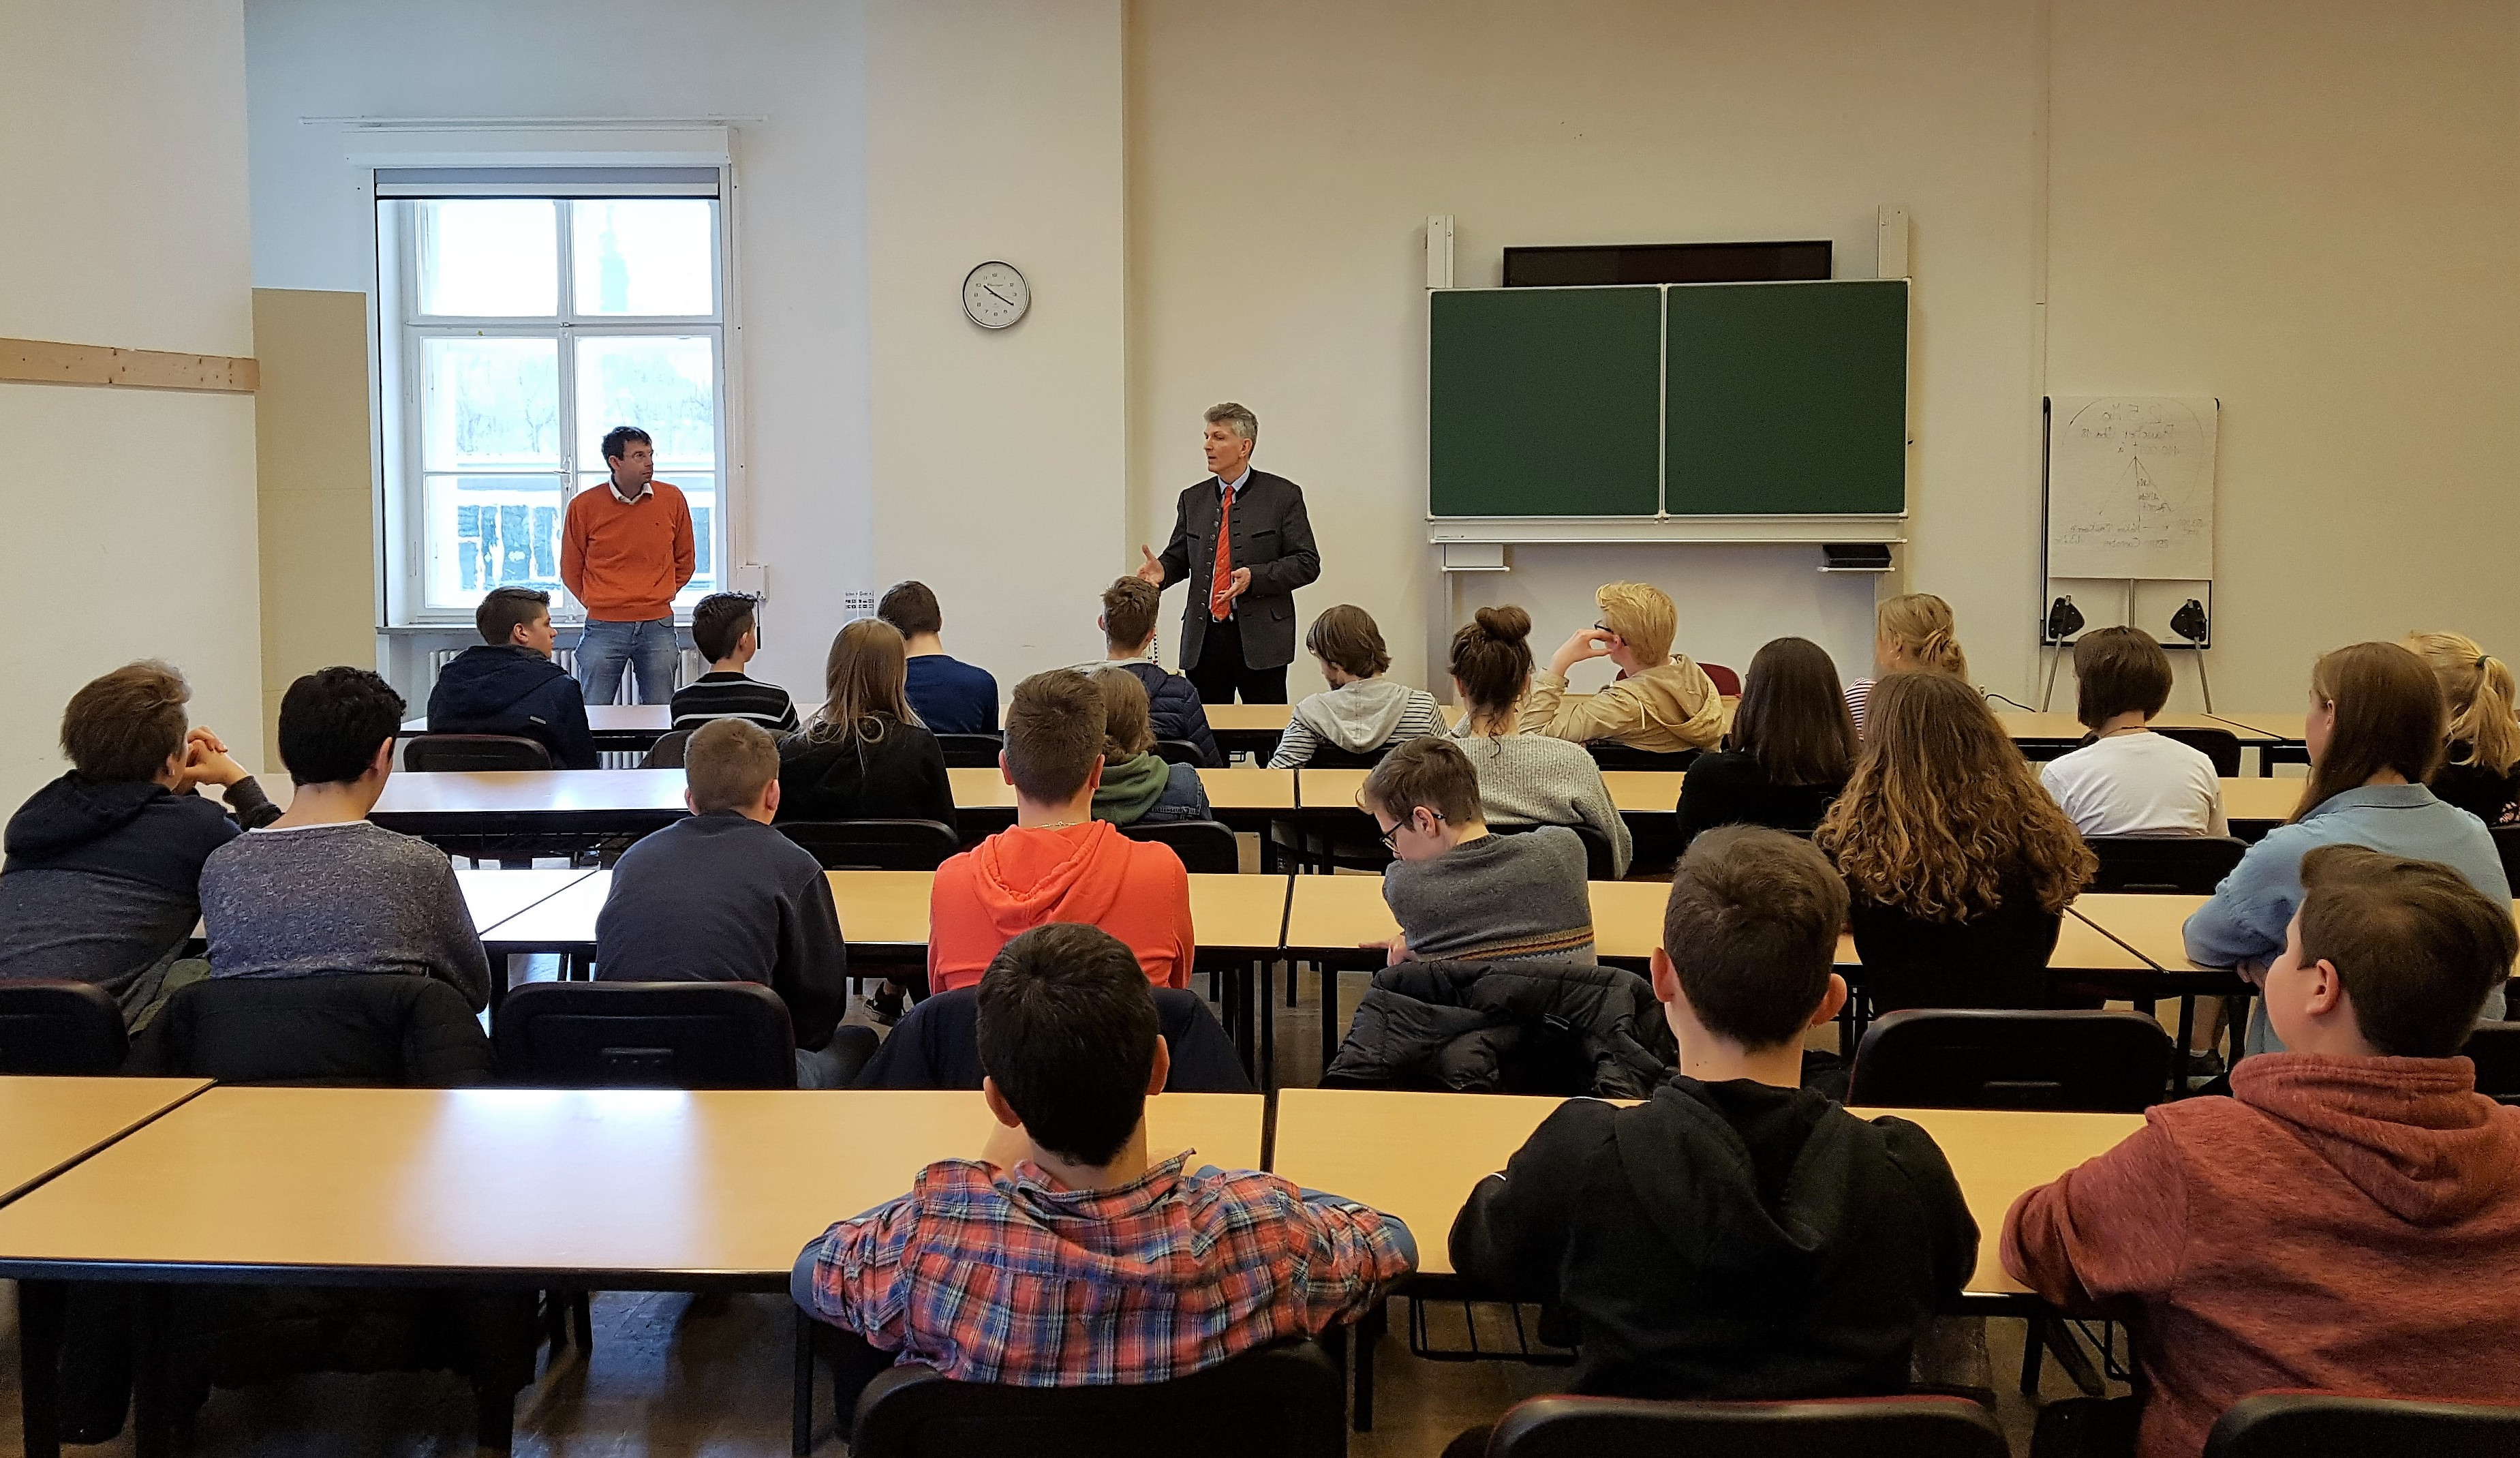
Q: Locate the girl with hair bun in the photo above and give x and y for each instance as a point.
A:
(1913, 630)
(1524, 779)
(2481, 772)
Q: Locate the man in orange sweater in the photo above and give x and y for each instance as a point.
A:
(1057, 863)
(624, 551)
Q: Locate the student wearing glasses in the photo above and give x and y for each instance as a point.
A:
(1460, 893)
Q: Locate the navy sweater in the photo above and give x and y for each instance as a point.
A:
(502, 689)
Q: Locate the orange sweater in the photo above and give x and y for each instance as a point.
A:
(626, 563)
(1021, 879)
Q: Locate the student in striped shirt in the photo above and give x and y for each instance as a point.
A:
(726, 629)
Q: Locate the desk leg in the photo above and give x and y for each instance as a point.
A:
(800, 1438)
(1265, 985)
(2178, 1061)
(40, 1307)
(153, 1420)
(1329, 1011)
(1364, 1339)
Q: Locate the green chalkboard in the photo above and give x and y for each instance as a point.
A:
(1786, 398)
(1545, 402)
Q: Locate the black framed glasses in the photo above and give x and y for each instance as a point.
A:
(1391, 837)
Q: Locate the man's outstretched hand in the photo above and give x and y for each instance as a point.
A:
(1152, 571)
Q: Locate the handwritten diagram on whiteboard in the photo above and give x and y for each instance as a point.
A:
(2130, 486)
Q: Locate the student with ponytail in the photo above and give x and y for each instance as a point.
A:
(1913, 630)
(2376, 731)
(2481, 772)
(1524, 779)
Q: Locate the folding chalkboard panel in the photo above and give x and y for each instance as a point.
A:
(1545, 402)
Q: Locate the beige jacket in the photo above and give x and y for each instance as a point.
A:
(1664, 710)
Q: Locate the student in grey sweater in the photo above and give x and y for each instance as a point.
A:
(1524, 779)
(1460, 893)
(320, 890)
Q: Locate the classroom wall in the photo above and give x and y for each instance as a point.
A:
(132, 523)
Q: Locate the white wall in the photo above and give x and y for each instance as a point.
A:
(132, 533)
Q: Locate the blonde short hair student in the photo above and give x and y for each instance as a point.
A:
(1661, 702)
(2480, 771)
(2130, 781)
(1524, 779)
(1914, 630)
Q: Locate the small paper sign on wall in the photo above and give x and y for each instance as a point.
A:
(2130, 486)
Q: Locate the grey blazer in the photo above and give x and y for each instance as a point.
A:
(1272, 536)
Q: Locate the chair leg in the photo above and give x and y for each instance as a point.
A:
(2033, 1337)
(152, 1429)
(800, 1437)
(581, 1317)
(41, 1306)
(1367, 1336)
(494, 1416)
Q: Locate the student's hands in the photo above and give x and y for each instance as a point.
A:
(1237, 585)
(207, 761)
(1150, 570)
(1587, 645)
(1395, 951)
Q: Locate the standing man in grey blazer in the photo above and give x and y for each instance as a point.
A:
(1239, 628)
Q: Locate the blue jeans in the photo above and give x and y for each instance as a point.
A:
(607, 649)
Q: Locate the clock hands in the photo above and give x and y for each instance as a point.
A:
(1000, 298)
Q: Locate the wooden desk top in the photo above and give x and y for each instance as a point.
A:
(562, 920)
(604, 718)
(1644, 791)
(1329, 789)
(2052, 725)
(2285, 728)
(554, 790)
(46, 1123)
(493, 897)
(2155, 926)
(2260, 800)
(2079, 947)
(881, 908)
(1249, 788)
(1419, 1154)
(682, 1186)
(980, 789)
(1345, 912)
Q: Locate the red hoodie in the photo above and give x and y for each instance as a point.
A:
(2351, 1224)
(1021, 879)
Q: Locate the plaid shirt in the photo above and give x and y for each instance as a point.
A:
(993, 1276)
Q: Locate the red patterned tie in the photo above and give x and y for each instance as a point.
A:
(1219, 583)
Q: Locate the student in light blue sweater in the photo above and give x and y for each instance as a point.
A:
(2374, 732)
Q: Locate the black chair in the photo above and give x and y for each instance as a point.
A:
(1597, 851)
(2170, 865)
(1287, 1400)
(1331, 757)
(1983, 1057)
(875, 845)
(644, 1035)
(458, 753)
(937, 1045)
(1206, 847)
(2495, 1049)
(2221, 746)
(59, 1028)
(1180, 752)
(971, 751)
(2319, 1425)
(667, 752)
(1833, 1428)
(2507, 844)
(1610, 755)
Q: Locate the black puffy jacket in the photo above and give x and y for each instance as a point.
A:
(1174, 709)
(502, 689)
(371, 1029)
(1526, 1027)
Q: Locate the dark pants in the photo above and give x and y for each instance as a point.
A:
(1220, 671)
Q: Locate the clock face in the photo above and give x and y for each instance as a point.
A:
(995, 296)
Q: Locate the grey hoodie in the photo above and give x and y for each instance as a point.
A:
(1359, 718)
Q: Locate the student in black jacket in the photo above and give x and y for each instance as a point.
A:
(1787, 754)
(1735, 1237)
(508, 683)
(1173, 705)
(864, 754)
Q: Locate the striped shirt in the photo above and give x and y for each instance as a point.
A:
(732, 695)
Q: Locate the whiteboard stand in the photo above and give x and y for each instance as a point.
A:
(2171, 642)
(2127, 498)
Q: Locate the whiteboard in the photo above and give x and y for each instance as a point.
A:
(2130, 486)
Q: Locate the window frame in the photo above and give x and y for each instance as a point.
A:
(402, 334)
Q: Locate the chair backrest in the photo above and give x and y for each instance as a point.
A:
(341, 1029)
(2495, 1049)
(2316, 1425)
(644, 1035)
(667, 752)
(455, 754)
(1331, 757)
(971, 751)
(937, 1045)
(1610, 755)
(875, 845)
(1597, 847)
(1287, 1400)
(60, 1027)
(1727, 682)
(2221, 746)
(1982, 1058)
(2167, 865)
(1833, 1428)
(1206, 847)
(2507, 844)
(1180, 752)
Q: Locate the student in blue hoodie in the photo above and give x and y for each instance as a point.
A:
(103, 879)
(509, 684)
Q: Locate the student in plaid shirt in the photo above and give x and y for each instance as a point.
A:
(1064, 1256)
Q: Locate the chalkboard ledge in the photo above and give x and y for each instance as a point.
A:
(1776, 528)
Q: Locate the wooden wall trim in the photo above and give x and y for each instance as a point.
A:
(43, 362)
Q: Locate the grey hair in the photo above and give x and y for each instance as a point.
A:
(1245, 424)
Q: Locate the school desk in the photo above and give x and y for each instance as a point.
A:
(48, 1124)
(630, 727)
(2286, 730)
(1253, 728)
(533, 803)
(2154, 926)
(2254, 806)
(1244, 797)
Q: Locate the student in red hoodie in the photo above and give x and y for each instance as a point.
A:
(2350, 1218)
(1057, 863)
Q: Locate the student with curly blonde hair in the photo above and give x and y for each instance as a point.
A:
(1959, 864)
(1913, 630)
(2481, 772)
(1661, 702)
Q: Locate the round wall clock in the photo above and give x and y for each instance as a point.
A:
(995, 296)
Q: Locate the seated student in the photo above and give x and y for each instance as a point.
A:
(2480, 771)
(508, 684)
(1661, 702)
(1524, 779)
(864, 754)
(1173, 707)
(725, 627)
(1361, 711)
(1460, 893)
(1137, 784)
(1057, 863)
(2376, 731)
(1913, 630)
(722, 897)
(1959, 864)
(1735, 1237)
(1068, 1254)
(320, 890)
(2130, 781)
(952, 697)
(103, 879)
(2349, 1219)
(1789, 752)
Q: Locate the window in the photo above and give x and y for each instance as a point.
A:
(523, 328)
